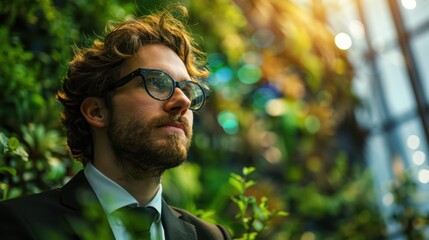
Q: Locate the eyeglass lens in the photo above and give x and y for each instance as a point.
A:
(161, 86)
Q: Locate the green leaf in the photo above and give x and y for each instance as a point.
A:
(236, 185)
(5, 188)
(263, 202)
(8, 169)
(242, 206)
(22, 153)
(3, 139)
(252, 199)
(237, 177)
(282, 213)
(249, 184)
(258, 225)
(13, 143)
(248, 170)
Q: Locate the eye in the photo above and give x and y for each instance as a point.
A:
(158, 82)
(192, 90)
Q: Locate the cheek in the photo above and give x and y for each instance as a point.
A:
(135, 104)
(190, 116)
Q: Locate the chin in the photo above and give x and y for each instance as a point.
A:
(174, 141)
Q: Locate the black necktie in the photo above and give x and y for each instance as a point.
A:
(137, 221)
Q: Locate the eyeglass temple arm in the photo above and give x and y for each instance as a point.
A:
(121, 81)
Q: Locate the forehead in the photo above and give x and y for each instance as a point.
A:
(156, 56)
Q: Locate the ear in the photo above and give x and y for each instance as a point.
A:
(94, 111)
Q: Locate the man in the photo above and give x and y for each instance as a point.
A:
(128, 111)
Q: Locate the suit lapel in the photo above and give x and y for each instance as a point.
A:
(174, 227)
(86, 215)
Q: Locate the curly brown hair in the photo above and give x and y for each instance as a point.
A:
(95, 68)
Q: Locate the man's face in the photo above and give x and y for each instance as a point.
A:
(149, 136)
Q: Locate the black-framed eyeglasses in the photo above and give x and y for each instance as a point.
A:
(160, 86)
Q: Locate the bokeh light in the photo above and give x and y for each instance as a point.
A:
(357, 29)
(201, 140)
(413, 142)
(409, 4)
(273, 155)
(228, 121)
(215, 60)
(312, 124)
(419, 158)
(343, 41)
(230, 93)
(388, 199)
(263, 95)
(249, 74)
(252, 57)
(263, 38)
(276, 107)
(423, 176)
(308, 236)
(223, 75)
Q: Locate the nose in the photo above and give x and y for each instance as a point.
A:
(178, 103)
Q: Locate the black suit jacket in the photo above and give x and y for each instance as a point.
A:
(74, 212)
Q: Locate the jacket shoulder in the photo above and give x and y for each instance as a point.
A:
(27, 217)
(34, 201)
(205, 230)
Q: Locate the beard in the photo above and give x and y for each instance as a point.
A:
(141, 155)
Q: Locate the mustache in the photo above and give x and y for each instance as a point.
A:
(167, 119)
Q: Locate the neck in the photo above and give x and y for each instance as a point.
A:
(143, 189)
(142, 185)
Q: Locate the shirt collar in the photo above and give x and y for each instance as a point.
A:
(112, 196)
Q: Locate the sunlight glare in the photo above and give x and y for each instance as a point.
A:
(273, 155)
(388, 199)
(409, 4)
(424, 176)
(357, 29)
(308, 236)
(276, 107)
(419, 158)
(343, 41)
(413, 142)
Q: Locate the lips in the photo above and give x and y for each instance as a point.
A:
(179, 126)
(174, 125)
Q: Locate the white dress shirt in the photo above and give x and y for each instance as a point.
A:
(112, 197)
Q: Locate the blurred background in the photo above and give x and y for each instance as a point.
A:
(328, 100)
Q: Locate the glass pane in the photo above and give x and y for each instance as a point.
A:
(415, 149)
(412, 141)
(380, 23)
(369, 112)
(395, 84)
(343, 17)
(414, 12)
(420, 48)
(378, 158)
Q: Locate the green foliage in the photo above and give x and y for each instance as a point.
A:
(182, 186)
(253, 216)
(406, 209)
(281, 92)
(10, 150)
(343, 207)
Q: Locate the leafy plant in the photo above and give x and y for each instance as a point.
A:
(254, 215)
(9, 149)
(406, 212)
(281, 94)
